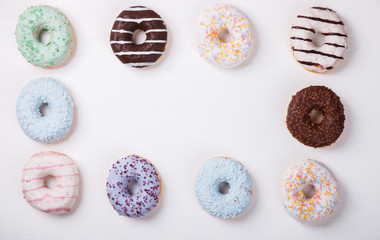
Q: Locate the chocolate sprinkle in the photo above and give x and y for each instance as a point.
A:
(303, 128)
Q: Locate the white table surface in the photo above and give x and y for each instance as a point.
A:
(182, 112)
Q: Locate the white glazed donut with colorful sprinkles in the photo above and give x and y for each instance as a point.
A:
(124, 173)
(308, 177)
(215, 21)
(58, 199)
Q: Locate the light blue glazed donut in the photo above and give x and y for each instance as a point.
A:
(53, 126)
(223, 170)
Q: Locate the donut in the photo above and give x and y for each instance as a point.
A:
(300, 124)
(35, 20)
(54, 125)
(125, 172)
(223, 170)
(311, 175)
(138, 18)
(58, 199)
(212, 48)
(325, 21)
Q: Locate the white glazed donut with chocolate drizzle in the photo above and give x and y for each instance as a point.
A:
(326, 22)
(126, 50)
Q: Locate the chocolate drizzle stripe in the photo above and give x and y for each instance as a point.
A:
(303, 28)
(310, 40)
(138, 53)
(302, 39)
(335, 45)
(310, 63)
(316, 52)
(138, 20)
(321, 20)
(121, 31)
(323, 9)
(329, 68)
(334, 34)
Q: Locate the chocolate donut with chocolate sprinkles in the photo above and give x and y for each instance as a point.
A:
(307, 130)
(126, 50)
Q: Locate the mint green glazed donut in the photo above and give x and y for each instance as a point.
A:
(40, 18)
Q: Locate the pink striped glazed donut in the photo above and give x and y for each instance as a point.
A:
(58, 199)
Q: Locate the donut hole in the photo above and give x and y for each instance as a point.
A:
(316, 116)
(318, 39)
(133, 187)
(308, 191)
(44, 109)
(44, 36)
(139, 37)
(224, 187)
(224, 36)
(50, 181)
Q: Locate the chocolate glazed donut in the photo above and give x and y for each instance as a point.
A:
(130, 20)
(299, 120)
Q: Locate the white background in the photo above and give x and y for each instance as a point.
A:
(184, 111)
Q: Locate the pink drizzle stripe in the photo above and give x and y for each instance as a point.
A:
(47, 197)
(57, 210)
(33, 189)
(46, 167)
(41, 178)
(66, 186)
(43, 186)
(41, 154)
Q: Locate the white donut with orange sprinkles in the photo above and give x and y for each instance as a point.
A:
(223, 52)
(310, 192)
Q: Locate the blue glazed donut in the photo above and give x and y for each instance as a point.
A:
(122, 174)
(53, 126)
(229, 171)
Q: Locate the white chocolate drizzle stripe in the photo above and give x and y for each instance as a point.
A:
(138, 53)
(137, 9)
(131, 42)
(156, 30)
(138, 20)
(129, 32)
(121, 42)
(142, 64)
(121, 31)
